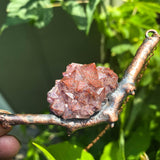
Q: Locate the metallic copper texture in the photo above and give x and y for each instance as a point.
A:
(109, 111)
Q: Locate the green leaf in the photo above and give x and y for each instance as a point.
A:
(120, 48)
(148, 7)
(44, 151)
(158, 155)
(111, 151)
(138, 142)
(137, 108)
(69, 151)
(77, 12)
(86, 156)
(147, 78)
(36, 12)
(144, 156)
(122, 145)
(143, 22)
(90, 9)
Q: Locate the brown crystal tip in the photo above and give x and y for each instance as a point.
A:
(81, 91)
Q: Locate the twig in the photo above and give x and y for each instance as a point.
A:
(98, 137)
(102, 49)
(59, 4)
(110, 110)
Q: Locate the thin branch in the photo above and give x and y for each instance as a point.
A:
(59, 4)
(102, 49)
(98, 137)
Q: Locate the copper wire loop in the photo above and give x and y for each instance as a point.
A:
(150, 31)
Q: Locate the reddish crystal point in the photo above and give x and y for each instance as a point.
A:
(81, 91)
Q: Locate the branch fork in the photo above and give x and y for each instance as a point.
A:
(110, 109)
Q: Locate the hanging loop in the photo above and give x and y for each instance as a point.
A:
(151, 31)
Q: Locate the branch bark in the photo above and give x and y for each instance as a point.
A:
(110, 109)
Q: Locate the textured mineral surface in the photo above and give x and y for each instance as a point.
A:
(81, 91)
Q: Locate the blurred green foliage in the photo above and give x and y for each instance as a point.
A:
(36, 12)
(136, 135)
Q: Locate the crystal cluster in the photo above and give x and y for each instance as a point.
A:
(81, 91)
